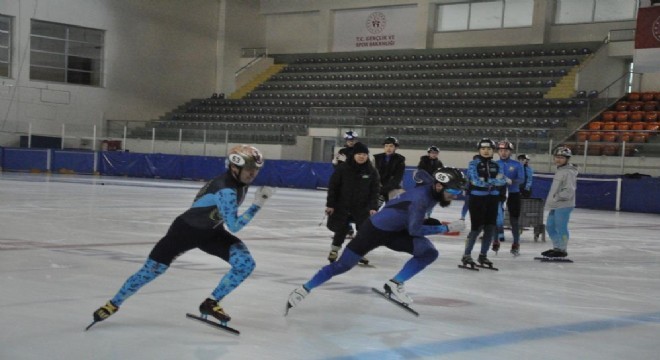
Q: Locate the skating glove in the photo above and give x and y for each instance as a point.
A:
(456, 226)
(262, 194)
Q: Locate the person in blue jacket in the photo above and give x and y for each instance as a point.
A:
(528, 181)
(485, 177)
(203, 226)
(510, 194)
(399, 226)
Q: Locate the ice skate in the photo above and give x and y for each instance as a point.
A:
(397, 291)
(213, 308)
(485, 263)
(363, 261)
(295, 298)
(351, 234)
(553, 253)
(515, 249)
(468, 263)
(332, 256)
(496, 246)
(483, 260)
(105, 311)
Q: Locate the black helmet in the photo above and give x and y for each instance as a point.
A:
(451, 179)
(486, 142)
(523, 157)
(432, 148)
(391, 140)
(505, 144)
(350, 135)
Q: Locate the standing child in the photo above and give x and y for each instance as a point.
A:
(526, 186)
(561, 202)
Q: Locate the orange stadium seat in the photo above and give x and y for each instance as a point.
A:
(647, 96)
(636, 116)
(608, 116)
(611, 149)
(622, 116)
(621, 105)
(639, 137)
(635, 105)
(650, 106)
(610, 136)
(638, 126)
(623, 126)
(595, 125)
(625, 136)
(582, 136)
(653, 126)
(651, 116)
(634, 96)
(595, 136)
(610, 125)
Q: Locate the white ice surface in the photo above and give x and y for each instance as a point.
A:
(67, 243)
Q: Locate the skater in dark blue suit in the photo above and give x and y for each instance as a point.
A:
(399, 226)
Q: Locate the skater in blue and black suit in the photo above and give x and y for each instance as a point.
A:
(399, 226)
(510, 194)
(207, 225)
(484, 176)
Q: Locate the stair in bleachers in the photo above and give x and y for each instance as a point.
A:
(259, 79)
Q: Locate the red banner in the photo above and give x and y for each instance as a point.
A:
(647, 34)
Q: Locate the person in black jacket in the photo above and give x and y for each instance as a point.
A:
(391, 167)
(352, 196)
(430, 162)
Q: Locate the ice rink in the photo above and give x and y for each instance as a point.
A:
(67, 243)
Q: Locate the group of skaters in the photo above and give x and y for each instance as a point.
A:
(371, 196)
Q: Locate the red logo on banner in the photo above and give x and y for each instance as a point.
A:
(647, 34)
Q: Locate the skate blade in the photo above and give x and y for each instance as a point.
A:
(549, 259)
(396, 302)
(468, 267)
(90, 325)
(488, 267)
(221, 326)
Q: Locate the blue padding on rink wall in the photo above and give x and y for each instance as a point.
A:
(17, 159)
(599, 195)
(641, 195)
(80, 162)
(638, 195)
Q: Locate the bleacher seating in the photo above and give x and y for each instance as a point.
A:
(633, 119)
(446, 97)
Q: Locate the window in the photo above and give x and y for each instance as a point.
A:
(588, 11)
(5, 46)
(64, 53)
(489, 14)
